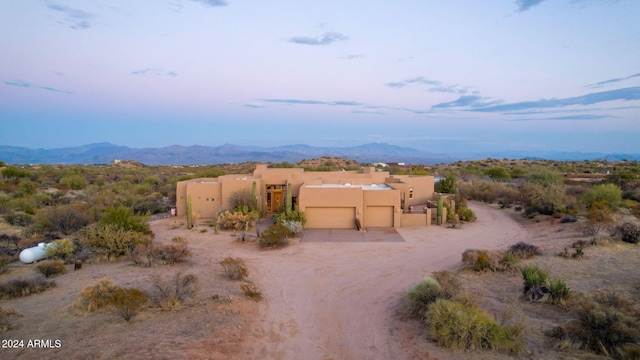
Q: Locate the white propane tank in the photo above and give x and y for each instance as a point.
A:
(35, 253)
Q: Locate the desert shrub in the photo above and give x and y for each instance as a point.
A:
(559, 291)
(522, 250)
(275, 236)
(292, 216)
(604, 324)
(251, 290)
(295, 227)
(536, 282)
(242, 198)
(11, 172)
(27, 188)
(18, 218)
(96, 297)
(173, 293)
(609, 194)
(462, 326)
(113, 241)
(235, 269)
(7, 317)
(124, 218)
(147, 255)
(422, 295)
(74, 182)
(627, 232)
(482, 260)
(170, 254)
(498, 174)
(23, 287)
(50, 268)
(236, 220)
(449, 285)
(5, 260)
(127, 302)
(61, 249)
(65, 219)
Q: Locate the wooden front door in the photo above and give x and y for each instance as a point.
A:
(276, 200)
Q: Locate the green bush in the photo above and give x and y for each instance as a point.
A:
(610, 194)
(127, 302)
(124, 218)
(6, 319)
(482, 260)
(113, 241)
(18, 219)
(49, 268)
(74, 182)
(449, 285)
(460, 326)
(275, 237)
(422, 295)
(23, 287)
(559, 291)
(96, 297)
(61, 249)
(536, 282)
(235, 269)
(173, 293)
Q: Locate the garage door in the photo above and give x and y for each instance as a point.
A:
(331, 217)
(378, 216)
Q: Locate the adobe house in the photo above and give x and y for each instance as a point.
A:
(335, 199)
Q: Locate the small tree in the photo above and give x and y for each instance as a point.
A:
(608, 194)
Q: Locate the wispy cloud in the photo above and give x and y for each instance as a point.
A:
(24, 84)
(324, 39)
(524, 5)
(75, 18)
(254, 105)
(611, 81)
(580, 117)
(471, 101)
(313, 102)
(155, 72)
(627, 94)
(351, 57)
(432, 85)
(212, 2)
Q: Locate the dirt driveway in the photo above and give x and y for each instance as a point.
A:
(336, 300)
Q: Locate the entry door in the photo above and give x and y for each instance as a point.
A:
(276, 200)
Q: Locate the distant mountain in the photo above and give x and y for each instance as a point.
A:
(105, 153)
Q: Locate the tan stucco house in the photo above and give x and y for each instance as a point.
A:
(335, 199)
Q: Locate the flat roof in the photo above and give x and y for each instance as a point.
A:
(349, 186)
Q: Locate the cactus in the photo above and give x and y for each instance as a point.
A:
(254, 195)
(189, 213)
(289, 200)
(440, 203)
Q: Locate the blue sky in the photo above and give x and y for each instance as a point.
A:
(446, 76)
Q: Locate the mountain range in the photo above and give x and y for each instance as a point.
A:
(105, 153)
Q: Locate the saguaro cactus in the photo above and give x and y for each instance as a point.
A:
(289, 203)
(189, 213)
(254, 195)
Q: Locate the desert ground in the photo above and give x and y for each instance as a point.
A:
(321, 300)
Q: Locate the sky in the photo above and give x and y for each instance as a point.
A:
(444, 76)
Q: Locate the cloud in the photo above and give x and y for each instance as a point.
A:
(432, 85)
(19, 83)
(153, 71)
(78, 19)
(324, 39)
(313, 102)
(627, 94)
(212, 2)
(611, 81)
(472, 101)
(524, 5)
(569, 118)
(24, 84)
(254, 106)
(351, 57)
